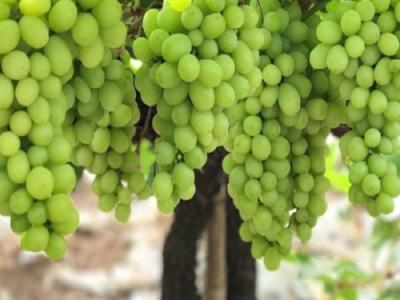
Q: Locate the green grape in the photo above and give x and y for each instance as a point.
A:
(162, 186)
(15, 65)
(59, 55)
(34, 31)
(303, 231)
(39, 183)
(85, 30)
(109, 181)
(350, 22)
(38, 8)
(36, 238)
(329, 32)
(253, 189)
(388, 44)
(6, 92)
(62, 16)
(20, 224)
(37, 214)
(5, 11)
(56, 247)
(366, 10)
(40, 66)
(68, 227)
(337, 59)
(243, 58)
(258, 247)
(301, 199)
(142, 49)
(183, 176)
(92, 55)
(318, 56)
(64, 178)
(18, 167)
(59, 208)
(20, 202)
(122, 212)
(20, 123)
(9, 144)
(136, 182)
(191, 17)
(114, 36)
(272, 259)
(9, 36)
(41, 135)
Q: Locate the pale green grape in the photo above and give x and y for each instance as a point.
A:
(36, 238)
(9, 144)
(162, 186)
(329, 32)
(56, 247)
(34, 8)
(175, 47)
(39, 183)
(213, 26)
(191, 17)
(15, 65)
(92, 55)
(20, 202)
(9, 36)
(114, 36)
(59, 55)
(18, 167)
(6, 92)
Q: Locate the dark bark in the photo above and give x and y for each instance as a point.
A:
(181, 245)
(241, 265)
(190, 220)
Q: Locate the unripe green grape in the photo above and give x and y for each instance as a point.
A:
(36, 238)
(38, 8)
(318, 56)
(15, 65)
(337, 59)
(243, 58)
(259, 246)
(20, 224)
(272, 259)
(56, 247)
(114, 36)
(68, 227)
(234, 17)
(59, 55)
(329, 32)
(123, 212)
(9, 36)
(64, 178)
(37, 214)
(384, 204)
(192, 17)
(366, 10)
(304, 233)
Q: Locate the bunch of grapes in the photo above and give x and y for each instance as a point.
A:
(195, 69)
(103, 125)
(52, 59)
(359, 46)
(276, 162)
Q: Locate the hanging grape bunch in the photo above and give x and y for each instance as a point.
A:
(59, 84)
(359, 45)
(191, 55)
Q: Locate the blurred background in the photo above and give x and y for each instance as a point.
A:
(351, 255)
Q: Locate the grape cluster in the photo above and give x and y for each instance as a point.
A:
(359, 46)
(103, 125)
(195, 69)
(56, 65)
(276, 162)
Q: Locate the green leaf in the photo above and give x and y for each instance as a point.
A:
(384, 231)
(146, 3)
(349, 272)
(347, 294)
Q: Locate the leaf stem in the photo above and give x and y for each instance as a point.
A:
(316, 8)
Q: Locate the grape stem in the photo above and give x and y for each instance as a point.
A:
(261, 10)
(316, 8)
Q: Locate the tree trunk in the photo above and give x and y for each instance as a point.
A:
(191, 218)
